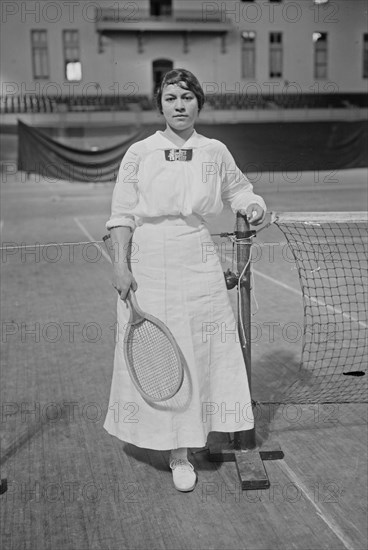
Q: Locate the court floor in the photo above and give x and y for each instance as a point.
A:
(70, 484)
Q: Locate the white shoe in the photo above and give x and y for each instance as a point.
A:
(184, 476)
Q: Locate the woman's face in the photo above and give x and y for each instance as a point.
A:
(179, 107)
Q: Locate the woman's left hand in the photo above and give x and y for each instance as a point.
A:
(255, 214)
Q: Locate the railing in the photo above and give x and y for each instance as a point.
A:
(41, 104)
(132, 14)
(287, 101)
(29, 103)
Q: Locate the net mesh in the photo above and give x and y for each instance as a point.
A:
(152, 360)
(331, 257)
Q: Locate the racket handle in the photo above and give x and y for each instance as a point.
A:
(136, 314)
(131, 299)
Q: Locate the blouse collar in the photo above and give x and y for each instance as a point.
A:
(192, 141)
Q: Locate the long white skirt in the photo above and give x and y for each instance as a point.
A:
(180, 281)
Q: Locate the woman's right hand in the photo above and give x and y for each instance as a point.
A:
(123, 280)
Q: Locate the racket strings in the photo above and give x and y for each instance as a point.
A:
(153, 361)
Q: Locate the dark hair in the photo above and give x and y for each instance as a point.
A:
(180, 76)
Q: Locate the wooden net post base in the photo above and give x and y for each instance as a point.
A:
(242, 446)
(249, 461)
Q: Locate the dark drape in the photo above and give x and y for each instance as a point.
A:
(257, 147)
(294, 146)
(38, 153)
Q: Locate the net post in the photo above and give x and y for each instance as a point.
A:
(242, 449)
(245, 439)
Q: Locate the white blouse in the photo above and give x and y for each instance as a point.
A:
(156, 178)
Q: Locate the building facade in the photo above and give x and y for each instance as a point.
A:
(83, 47)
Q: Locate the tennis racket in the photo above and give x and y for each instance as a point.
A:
(153, 357)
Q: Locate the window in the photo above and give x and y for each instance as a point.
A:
(72, 64)
(160, 7)
(248, 54)
(40, 54)
(275, 54)
(365, 55)
(159, 68)
(320, 54)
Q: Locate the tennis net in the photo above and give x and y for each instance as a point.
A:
(330, 251)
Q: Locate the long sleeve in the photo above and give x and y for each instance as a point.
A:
(236, 188)
(125, 195)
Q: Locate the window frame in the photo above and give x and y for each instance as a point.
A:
(365, 55)
(71, 45)
(320, 52)
(250, 50)
(163, 9)
(276, 47)
(40, 55)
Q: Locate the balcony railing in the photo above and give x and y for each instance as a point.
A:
(31, 103)
(114, 19)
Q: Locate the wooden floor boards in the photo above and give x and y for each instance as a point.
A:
(71, 486)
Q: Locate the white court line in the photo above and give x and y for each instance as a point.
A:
(275, 281)
(299, 293)
(337, 310)
(91, 238)
(329, 521)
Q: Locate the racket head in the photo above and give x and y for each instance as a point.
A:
(153, 359)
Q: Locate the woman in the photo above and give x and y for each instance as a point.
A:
(168, 185)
